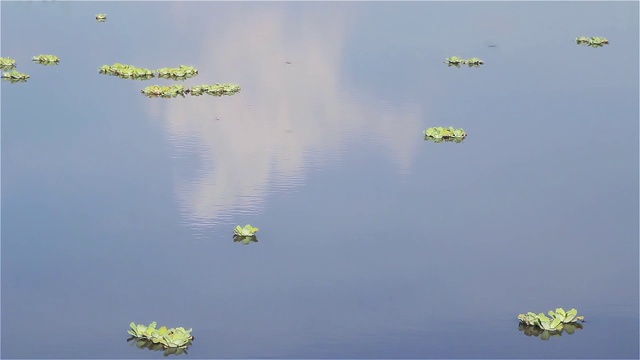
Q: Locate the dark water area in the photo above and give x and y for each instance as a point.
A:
(373, 242)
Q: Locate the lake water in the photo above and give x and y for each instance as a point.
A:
(373, 242)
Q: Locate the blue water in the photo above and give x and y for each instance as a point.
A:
(373, 242)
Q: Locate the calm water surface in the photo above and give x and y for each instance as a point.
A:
(373, 242)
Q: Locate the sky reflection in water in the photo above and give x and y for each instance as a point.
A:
(373, 242)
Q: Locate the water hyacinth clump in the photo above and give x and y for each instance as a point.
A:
(164, 91)
(457, 61)
(175, 90)
(215, 90)
(7, 63)
(15, 76)
(594, 41)
(168, 338)
(245, 235)
(127, 71)
(440, 134)
(247, 230)
(180, 73)
(554, 322)
(46, 59)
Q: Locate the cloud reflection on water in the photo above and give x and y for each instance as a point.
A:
(287, 119)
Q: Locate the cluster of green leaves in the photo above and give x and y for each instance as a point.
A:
(15, 76)
(7, 63)
(245, 235)
(215, 90)
(555, 322)
(457, 61)
(168, 338)
(46, 59)
(439, 134)
(127, 71)
(175, 90)
(164, 91)
(101, 17)
(179, 73)
(247, 230)
(531, 330)
(594, 41)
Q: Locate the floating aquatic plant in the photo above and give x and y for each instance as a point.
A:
(215, 90)
(555, 322)
(474, 62)
(439, 134)
(127, 71)
(245, 235)
(164, 91)
(15, 76)
(47, 59)
(101, 17)
(175, 90)
(457, 61)
(180, 73)
(168, 338)
(7, 63)
(594, 41)
(247, 230)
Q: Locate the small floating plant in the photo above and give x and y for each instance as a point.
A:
(46, 59)
(440, 134)
(14, 76)
(101, 17)
(594, 41)
(175, 90)
(556, 320)
(127, 71)
(7, 63)
(180, 73)
(552, 325)
(215, 90)
(457, 61)
(174, 338)
(245, 235)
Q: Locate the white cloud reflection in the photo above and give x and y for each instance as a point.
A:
(287, 118)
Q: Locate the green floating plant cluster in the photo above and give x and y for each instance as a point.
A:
(101, 17)
(594, 41)
(457, 61)
(7, 63)
(179, 73)
(245, 235)
(175, 90)
(46, 59)
(555, 321)
(126, 71)
(247, 230)
(440, 134)
(132, 72)
(15, 76)
(214, 90)
(164, 91)
(168, 338)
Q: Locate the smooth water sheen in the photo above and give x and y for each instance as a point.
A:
(373, 242)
